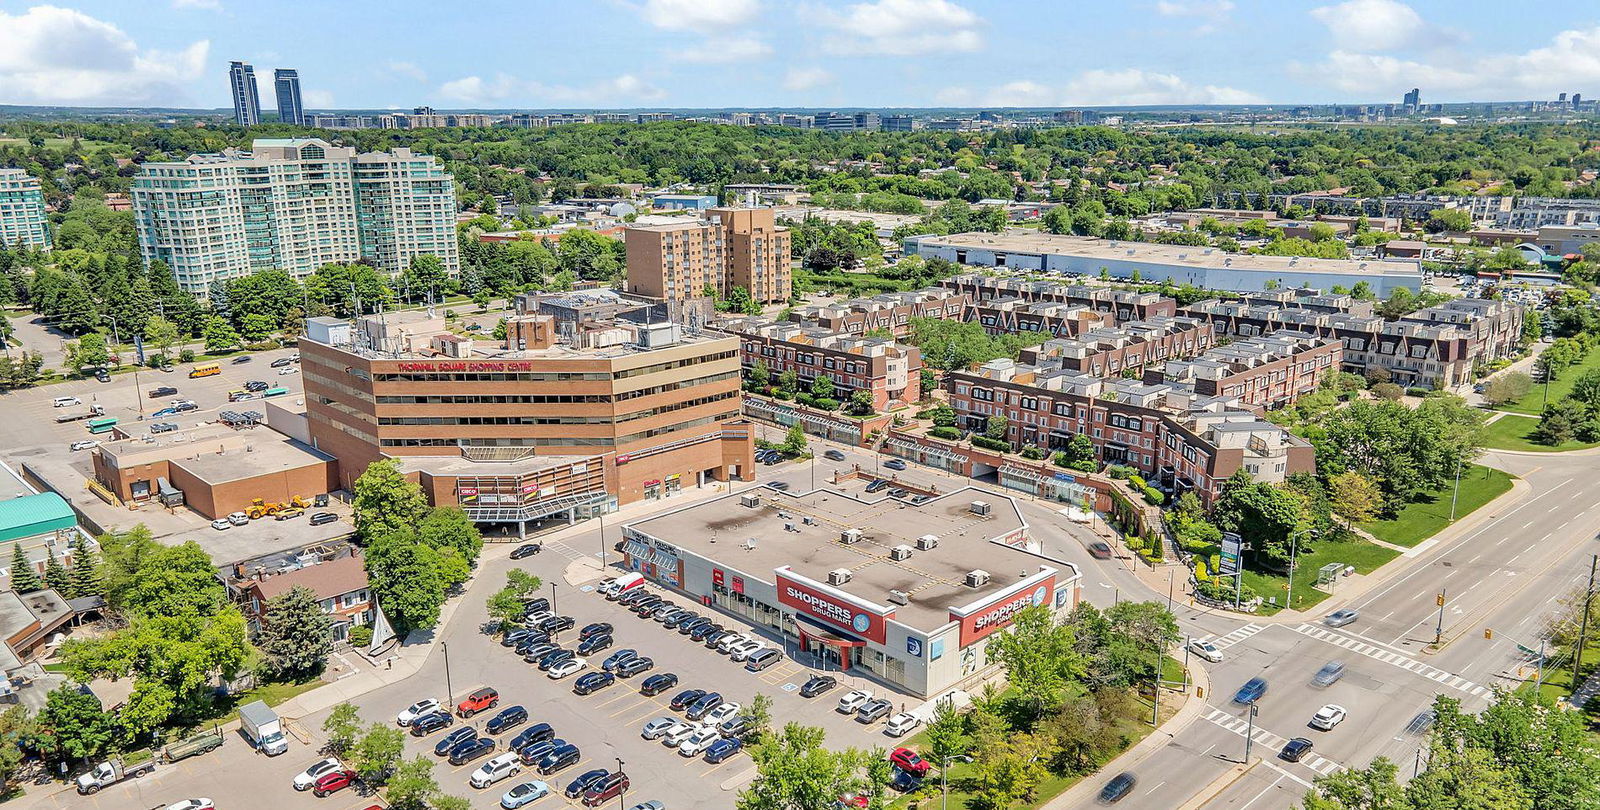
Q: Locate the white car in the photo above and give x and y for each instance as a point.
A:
(744, 649)
(221, 525)
(1328, 716)
(496, 769)
(853, 700)
(901, 723)
(86, 444)
(415, 710)
(679, 733)
(287, 370)
(1206, 650)
(308, 777)
(698, 742)
(659, 726)
(238, 518)
(725, 644)
(534, 618)
(726, 711)
(192, 804)
(564, 669)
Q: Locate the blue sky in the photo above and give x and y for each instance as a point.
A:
(815, 53)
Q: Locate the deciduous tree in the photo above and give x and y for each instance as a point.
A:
(385, 502)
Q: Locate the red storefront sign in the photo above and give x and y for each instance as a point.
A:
(716, 576)
(467, 494)
(998, 614)
(832, 608)
(738, 584)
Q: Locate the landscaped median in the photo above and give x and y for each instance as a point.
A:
(1515, 432)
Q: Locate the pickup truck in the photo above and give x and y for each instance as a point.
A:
(94, 410)
(112, 771)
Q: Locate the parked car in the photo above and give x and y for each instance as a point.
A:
(501, 767)
(699, 632)
(901, 724)
(507, 719)
(878, 485)
(873, 710)
(685, 699)
(657, 727)
(1295, 749)
(606, 789)
(781, 486)
(555, 657)
(1422, 722)
(532, 753)
(556, 624)
(714, 638)
(1251, 692)
(592, 682)
(688, 626)
(894, 464)
(322, 767)
(721, 750)
(564, 669)
(724, 712)
(453, 739)
(594, 629)
(1206, 650)
(1118, 788)
(617, 658)
(323, 517)
(86, 444)
(333, 782)
(221, 525)
(577, 786)
(479, 700)
(1330, 673)
(677, 734)
(472, 749)
(163, 427)
(162, 391)
(734, 726)
(535, 605)
(562, 757)
(1329, 716)
(898, 492)
(525, 550)
(537, 652)
(594, 644)
(536, 733)
(904, 781)
(238, 518)
(697, 742)
(1341, 617)
(656, 684)
(168, 411)
(524, 794)
(744, 649)
(289, 514)
(853, 700)
(761, 659)
(515, 637)
(817, 685)
(907, 760)
(429, 723)
(700, 708)
(634, 666)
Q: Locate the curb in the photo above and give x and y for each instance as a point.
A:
(1223, 781)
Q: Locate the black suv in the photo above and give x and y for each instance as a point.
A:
(471, 750)
(429, 723)
(594, 644)
(592, 682)
(536, 733)
(595, 629)
(656, 684)
(506, 720)
(686, 698)
(556, 624)
(634, 666)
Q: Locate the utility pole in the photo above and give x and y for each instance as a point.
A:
(1456, 494)
(1438, 630)
(1583, 627)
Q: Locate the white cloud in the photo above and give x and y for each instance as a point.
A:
(716, 50)
(1127, 87)
(1194, 8)
(317, 99)
(209, 5)
(1571, 61)
(802, 79)
(476, 90)
(408, 70)
(702, 16)
(51, 55)
(1375, 25)
(902, 28)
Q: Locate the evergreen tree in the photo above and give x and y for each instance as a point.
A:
(294, 638)
(24, 577)
(56, 576)
(85, 570)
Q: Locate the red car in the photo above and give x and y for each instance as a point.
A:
(482, 699)
(332, 782)
(907, 760)
(609, 787)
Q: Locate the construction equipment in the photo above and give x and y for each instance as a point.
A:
(298, 502)
(260, 508)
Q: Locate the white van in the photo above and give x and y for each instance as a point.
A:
(65, 402)
(621, 585)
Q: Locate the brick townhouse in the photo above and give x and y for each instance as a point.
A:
(1007, 316)
(891, 371)
(1124, 350)
(1176, 438)
(891, 311)
(339, 584)
(1124, 305)
(1266, 372)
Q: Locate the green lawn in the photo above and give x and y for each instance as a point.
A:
(1515, 433)
(1423, 519)
(1534, 402)
(272, 693)
(1365, 556)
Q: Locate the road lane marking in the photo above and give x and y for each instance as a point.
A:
(1388, 657)
(1261, 736)
(1224, 642)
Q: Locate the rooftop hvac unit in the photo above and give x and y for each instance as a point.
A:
(977, 579)
(901, 552)
(849, 536)
(927, 542)
(980, 508)
(899, 597)
(839, 576)
(751, 501)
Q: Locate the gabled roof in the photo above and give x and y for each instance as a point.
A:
(326, 580)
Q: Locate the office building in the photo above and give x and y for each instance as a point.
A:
(293, 204)
(22, 218)
(559, 419)
(286, 82)
(246, 103)
(899, 123)
(904, 594)
(728, 248)
(1413, 101)
(888, 371)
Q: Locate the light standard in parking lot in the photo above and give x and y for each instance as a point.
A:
(944, 776)
(449, 693)
(553, 599)
(624, 791)
(1250, 732)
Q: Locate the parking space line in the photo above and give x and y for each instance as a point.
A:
(633, 705)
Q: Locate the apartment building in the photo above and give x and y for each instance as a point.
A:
(550, 422)
(1178, 439)
(891, 311)
(246, 101)
(1125, 350)
(22, 218)
(1124, 305)
(1006, 316)
(1267, 372)
(286, 86)
(890, 371)
(726, 248)
(294, 204)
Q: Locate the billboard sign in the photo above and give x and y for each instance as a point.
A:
(1231, 545)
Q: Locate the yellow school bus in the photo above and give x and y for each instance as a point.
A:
(205, 370)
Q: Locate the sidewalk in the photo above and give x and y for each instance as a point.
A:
(1087, 788)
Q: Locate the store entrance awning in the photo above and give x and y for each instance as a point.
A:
(811, 630)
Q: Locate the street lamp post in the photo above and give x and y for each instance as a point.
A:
(624, 791)
(602, 516)
(450, 693)
(1294, 547)
(944, 776)
(1250, 732)
(553, 599)
(1456, 493)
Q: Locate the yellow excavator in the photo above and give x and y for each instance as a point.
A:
(260, 508)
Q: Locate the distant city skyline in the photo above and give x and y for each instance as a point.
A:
(624, 54)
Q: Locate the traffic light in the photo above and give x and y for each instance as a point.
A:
(1439, 600)
(1488, 632)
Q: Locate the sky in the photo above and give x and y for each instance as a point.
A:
(655, 54)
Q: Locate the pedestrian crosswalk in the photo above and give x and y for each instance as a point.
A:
(1267, 739)
(1391, 657)
(1224, 642)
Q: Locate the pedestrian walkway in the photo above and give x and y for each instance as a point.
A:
(1391, 657)
(1224, 642)
(1273, 742)
(1586, 692)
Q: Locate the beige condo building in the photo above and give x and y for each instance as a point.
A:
(729, 247)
